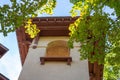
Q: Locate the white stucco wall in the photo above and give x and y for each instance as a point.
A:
(32, 70)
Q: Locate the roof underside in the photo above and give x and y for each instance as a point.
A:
(53, 26)
(3, 50)
(49, 26)
(2, 77)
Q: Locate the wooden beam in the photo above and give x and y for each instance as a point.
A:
(95, 71)
(25, 42)
(36, 42)
(67, 59)
(49, 26)
(2, 77)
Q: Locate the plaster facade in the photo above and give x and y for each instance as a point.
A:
(32, 70)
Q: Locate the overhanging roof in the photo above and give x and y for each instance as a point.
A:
(3, 50)
(49, 26)
(2, 77)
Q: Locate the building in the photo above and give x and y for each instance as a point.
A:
(2, 77)
(31, 51)
(3, 50)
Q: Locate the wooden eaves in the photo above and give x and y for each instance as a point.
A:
(2, 77)
(49, 26)
(3, 50)
(53, 26)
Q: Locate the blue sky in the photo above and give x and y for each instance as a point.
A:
(10, 64)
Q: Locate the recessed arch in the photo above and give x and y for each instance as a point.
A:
(57, 48)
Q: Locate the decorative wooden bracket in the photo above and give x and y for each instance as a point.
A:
(67, 59)
(36, 42)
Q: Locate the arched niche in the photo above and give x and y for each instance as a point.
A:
(57, 51)
(58, 48)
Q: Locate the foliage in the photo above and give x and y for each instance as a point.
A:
(111, 70)
(98, 33)
(18, 13)
(31, 28)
